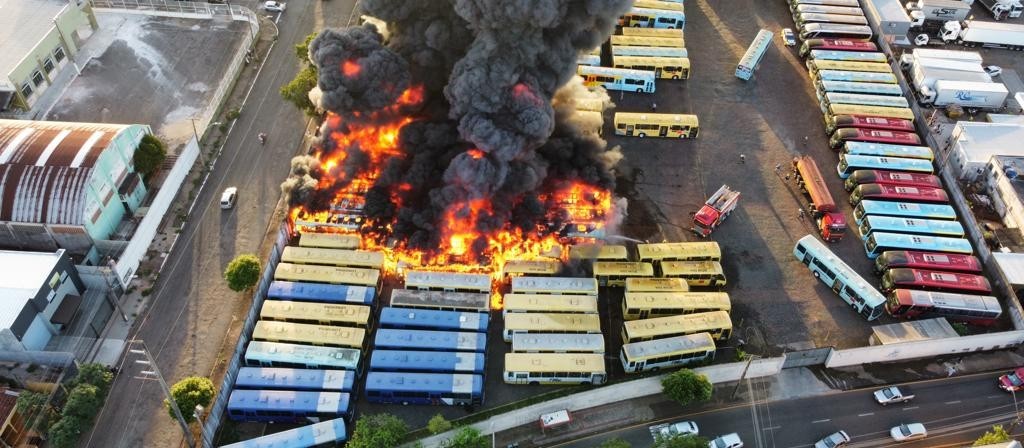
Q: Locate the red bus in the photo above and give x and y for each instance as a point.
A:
(904, 178)
(883, 192)
(844, 135)
(932, 261)
(836, 44)
(959, 282)
(828, 219)
(869, 122)
(909, 304)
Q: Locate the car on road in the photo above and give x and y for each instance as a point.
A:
(788, 37)
(836, 439)
(908, 431)
(228, 197)
(686, 428)
(993, 70)
(1013, 381)
(726, 441)
(273, 6)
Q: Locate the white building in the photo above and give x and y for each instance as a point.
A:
(1004, 182)
(40, 293)
(972, 146)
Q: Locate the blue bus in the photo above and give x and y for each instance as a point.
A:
(295, 379)
(279, 354)
(748, 63)
(284, 406)
(848, 163)
(451, 389)
(880, 242)
(301, 437)
(910, 226)
(391, 317)
(840, 277)
(444, 341)
(425, 361)
(870, 207)
(321, 292)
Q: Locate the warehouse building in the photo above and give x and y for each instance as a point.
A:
(40, 293)
(972, 145)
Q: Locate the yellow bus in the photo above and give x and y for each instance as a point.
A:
(537, 267)
(694, 273)
(327, 274)
(642, 124)
(316, 313)
(654, 32)
(543, 303)
(589, 104)
(847, 66)
(669, 352)
(448, 281)
(645, 305)
(656, 285)
(615, 273)
(598, 252)
(663, 67)
(557, 343)
(696, 251)
(649, 41)
(596, 51)
(554, 285)
(555, 368)
(835, 110)
(320, 335)
(717, 323)
(516, 323)
(333, 257)
(329, 240)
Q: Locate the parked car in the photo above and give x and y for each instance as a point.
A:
(228, 197)
(908, 431)
(833, 440)
(726, 441)
(993, 70)
(273, 6)
(672, 429)
(1013, 381)
(788, 37)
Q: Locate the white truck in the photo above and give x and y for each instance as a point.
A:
(664, 430)
(1002, 9)
(974, 33)
(893, 394)
(967, 94)
(924, 71)
(930, 14)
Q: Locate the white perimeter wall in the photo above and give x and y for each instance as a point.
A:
(923, 349)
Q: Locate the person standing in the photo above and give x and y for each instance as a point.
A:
(743, 158)
(654, 107)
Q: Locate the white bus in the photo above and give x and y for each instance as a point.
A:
(835, 30)
(635, 50)
(793, 4)
(653, 18)
(840, 277)
(448, 281)
(865, 100)
(676, 351)
(745, 69)
(842, 55)
(871, 88)
(546, 303)
(827, 9)
(557, 343)
(806, 18)
(516, 323)
(555, 368)
(640, 81)
(850, 76)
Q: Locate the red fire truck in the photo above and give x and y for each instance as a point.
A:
(715, 210)
(828, 219)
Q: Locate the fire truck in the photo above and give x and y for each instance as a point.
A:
(715, 210)
(829, 221)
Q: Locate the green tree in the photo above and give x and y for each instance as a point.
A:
(149, 155)
(615, 443)
(35, 408)
(467, 437)
(297, 91)
(438, 424)
(243, 272)
(302, 50)
(94, 374)
(680, 441)
(378, 431)
(65, 433)
(996, 435)
(84, 402)
(189, 392)
(686, 386)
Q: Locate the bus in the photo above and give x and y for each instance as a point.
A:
(611, 78)
(287, 406)
(516, 323)
(557, 343)
(598, 252)
(695, 273)
(636, 50)
(829, 221)
(793, 4)
(295, 379)
(888, 150)
(846, 75)
(869, 88)
(860, 99)
(972, 309)
(868, 207)
(848, 163)
(554, 285)
(329, 431)
(329, 240)
(836, 44)
(544, 303)
(802, 19)
(333, 257)
(871, 111)
(328, 274)
(910, 226)
(655, 32)
(675, 41)
(448, 281)
(555, 368)
(750, 60)
(441, 300)
(277, 354)
(540, 267)
(834, 30)
(867, 122)
(666, 353)
(880, 242)
(689, 251)
(899, 193)
(840, 277)
(663, 67)
(815, 65)
(319, 292)
(826, 9)
(614, 273)
(432, 340)
(316, 313)
(717, 323)
(856, 56)
(426, 361)
(588, 59)
(319, 335)
(405, 388)
(656, 285)
(391, 317)
(653, 18)
(645, 305)
(955, 282)
(932, 261)
(642, 124)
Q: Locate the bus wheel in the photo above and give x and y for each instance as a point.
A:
(639, 90)
(817, 275)
(641, 135)
(655, 369)
(534, 383)
(675, 76)
(405, 403)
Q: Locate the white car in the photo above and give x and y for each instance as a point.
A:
(908, 431)
(673, 429)
(273, 6)
(788, 37)
(834, 440)
(993, 70)
(228, 197)
(726, 441)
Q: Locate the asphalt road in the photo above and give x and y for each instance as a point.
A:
(192, 308)
(955, 412)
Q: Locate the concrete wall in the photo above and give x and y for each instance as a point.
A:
(71, 18)
(923, 349)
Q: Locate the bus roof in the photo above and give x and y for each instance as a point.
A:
(612, 71)
(639, 50)
(940, 211)
(947, 299)
(851, 66)
(329, 431)
(866, 99)
(321, 292)
(698, 322)
(873, 111)
(598, 252)
(558, 342)
(650, 61)
(329, 240)
(420, 360)
(308, 334)
(467, 383)
(886, 149)
(333, 257)
(554, 362)
(326, 274)
(553, 322)
(680, 251)
(259, 352)
(554, 285)
(681, 267)
(654, 347)
(447, 280)
(663, 119)
(846, 75)
(430, 340)
(575, 303)
(671, 299)
(649, 41)
(872, 298)
(323, 312)
(433, 319)
(289, 400)
(656, 285)
(921, 242)
(630, 268)
(656, 32)
(913, 225)
(532, 267)
(469, 301)
(888, 163)
(814, 183)
(291, 378)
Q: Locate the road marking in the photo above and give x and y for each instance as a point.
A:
(995, 396)
(771, 428)
(953, 402)
(865, 415)
(822, 421)
(910, 408)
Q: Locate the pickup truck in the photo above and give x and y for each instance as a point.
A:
(673, 429)
(893, 394)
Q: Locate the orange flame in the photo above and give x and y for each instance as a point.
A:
(350, 68)
(475, 153)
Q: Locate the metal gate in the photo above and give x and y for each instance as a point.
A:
(803, 358)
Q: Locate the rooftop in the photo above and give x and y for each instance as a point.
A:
(20, 279)
(1012, 265)
(917, 330)
(23, 23)
(980, 141)
(1013, 164)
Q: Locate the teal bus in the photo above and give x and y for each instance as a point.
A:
(869, 207)
(858, 56)
(880, 242)
(888, 150)
(910, 226)
(870, 88)
(851, 76)
(839, 277)
(848, 163)
(829, 98)
(745, 69)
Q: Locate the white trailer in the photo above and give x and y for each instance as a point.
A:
(953, 55)
(975, 33)
(966, 94)
(924, 78)
(937, 11)
(1002, 9)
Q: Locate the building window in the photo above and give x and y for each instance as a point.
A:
(26, 90)
(37, 78)
(58, 54)
(48, 65)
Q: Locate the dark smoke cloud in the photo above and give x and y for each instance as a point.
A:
(357, 73)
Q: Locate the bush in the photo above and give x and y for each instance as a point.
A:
(189, 392)
(378, 431)
(297, 90)
(680, 441)
(996, 435)
(615, 443)
(149, 156)
(35, 409)
(94, 374)
(686, 386)
(233, 114)
(243, 272)
(64, 433)
(438, 424)
(467, 437)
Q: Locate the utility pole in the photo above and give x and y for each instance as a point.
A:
(750, 358)
(155, 374)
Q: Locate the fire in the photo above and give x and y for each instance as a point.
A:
(475, 153)
(350, 68)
